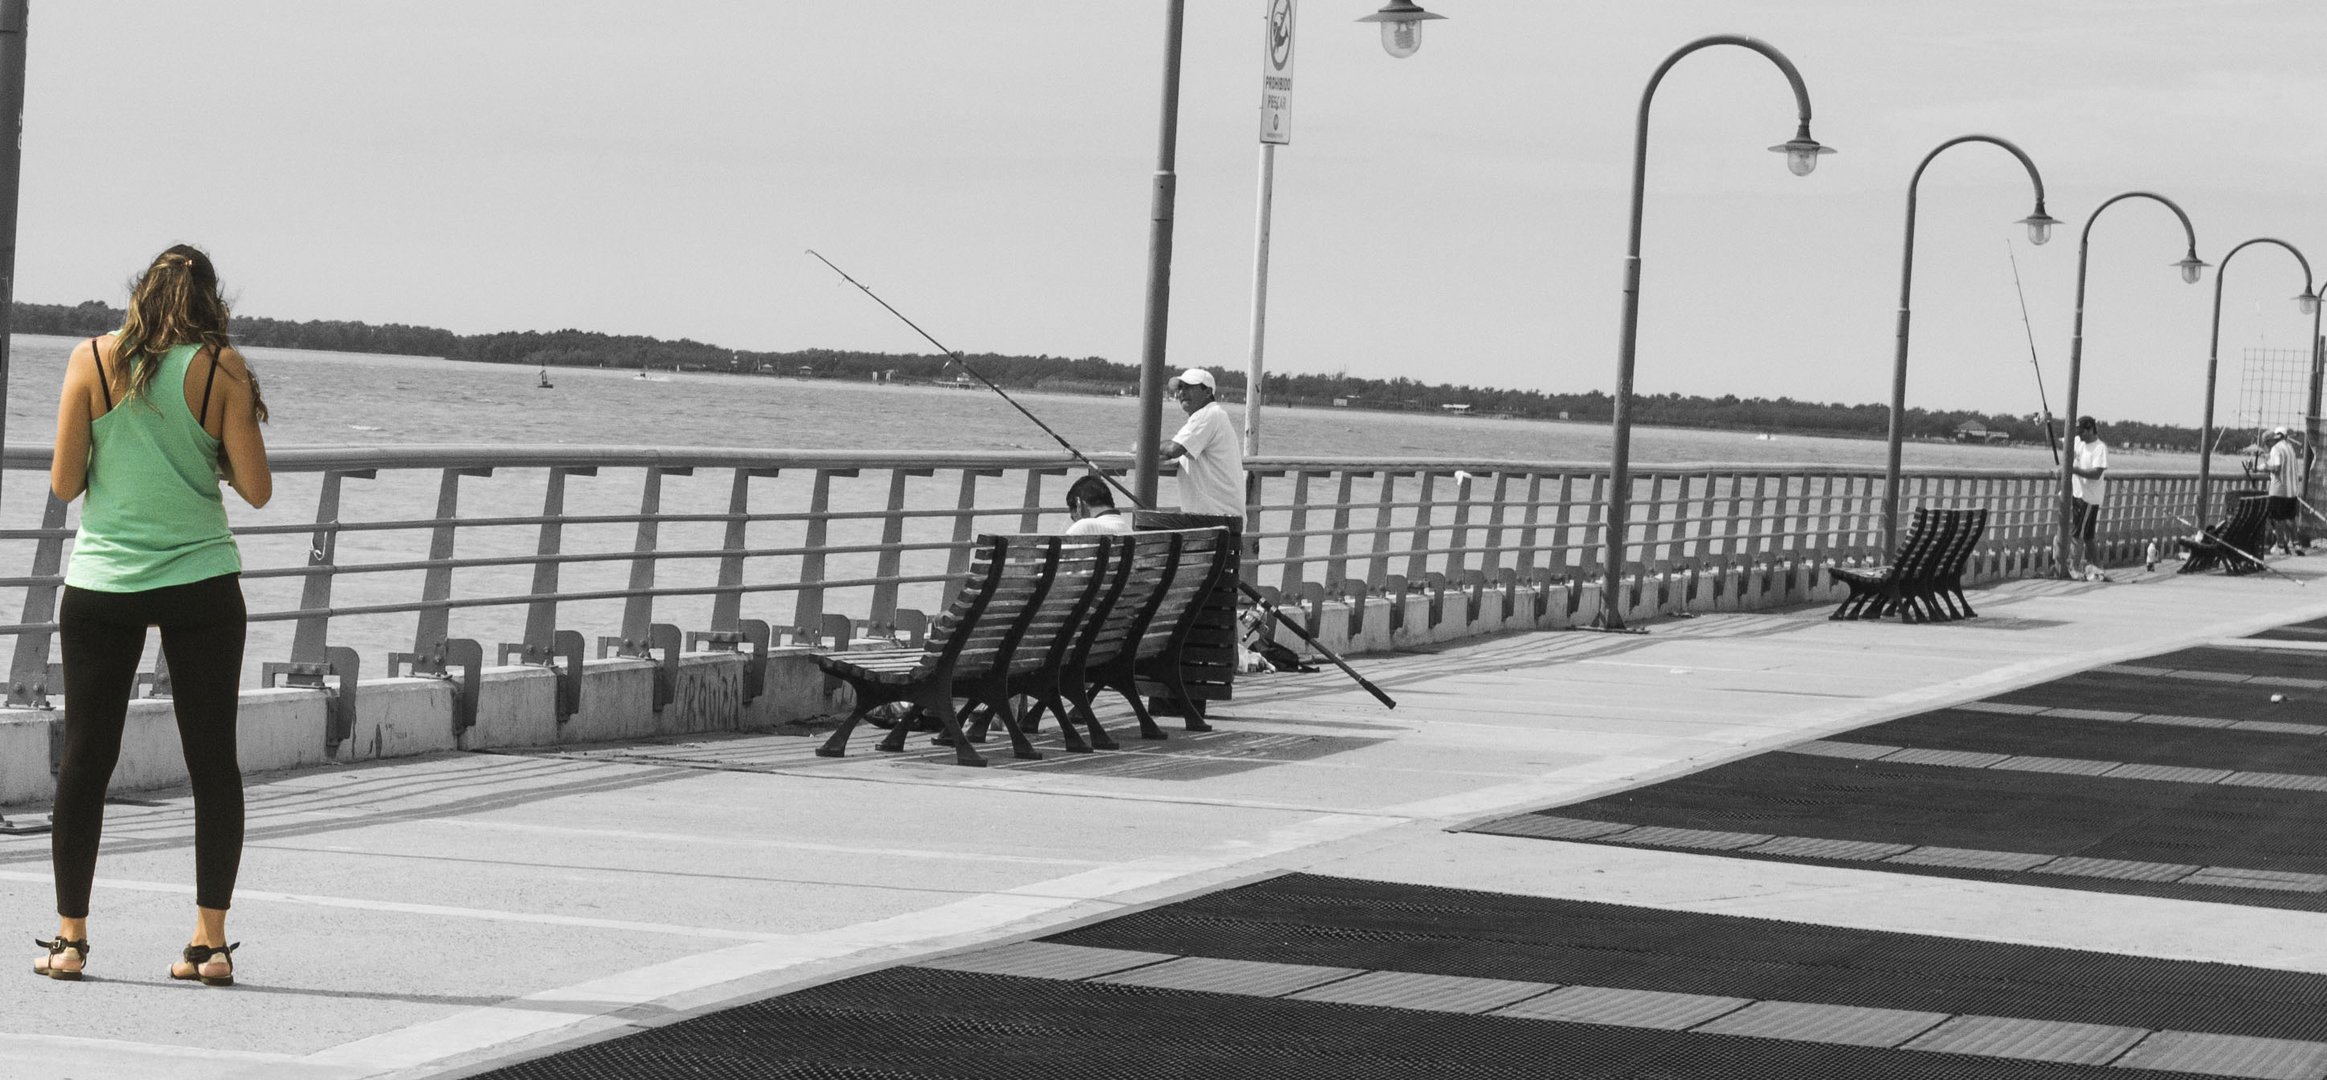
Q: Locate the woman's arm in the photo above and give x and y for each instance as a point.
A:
(68, 468)
(242, 461)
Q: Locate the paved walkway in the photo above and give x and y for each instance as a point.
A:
(439, 916)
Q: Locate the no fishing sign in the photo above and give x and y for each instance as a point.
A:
(1276, 75)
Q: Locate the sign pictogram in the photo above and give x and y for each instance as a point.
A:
(1276, 75)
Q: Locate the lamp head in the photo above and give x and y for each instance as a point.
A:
(1802, 152)
(2192, 266)
(2308, 303)
(2039, 225)
(1401, 26)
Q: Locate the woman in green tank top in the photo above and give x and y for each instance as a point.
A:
(152, 418)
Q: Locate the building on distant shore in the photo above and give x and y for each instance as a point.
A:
(1972, 431)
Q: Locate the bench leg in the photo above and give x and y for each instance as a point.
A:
(1077, 696)
(837, 744)
(941, 703)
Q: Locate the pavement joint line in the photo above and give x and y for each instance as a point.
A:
(471, 824)
(476, 1030)
(1643, 1008)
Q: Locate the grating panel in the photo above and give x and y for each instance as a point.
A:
(2072, 766)
(2029, 1040)
(2288, 781)
(2186, 721)
(2236, 877)
(1625, 1008)
(1659, 836)
(1217, 976)
(1416, 990)
(1811, 847)
(1830, 748)
(1046, 960)
(2279, 726)
(1547, 827)
(2091, 714)
(2181, 774)
(1971, 858)
(1959, 759)
(2120, 869)
(2229, 1055)
(1843, 1025)
(2133, 669)
(2005, 707)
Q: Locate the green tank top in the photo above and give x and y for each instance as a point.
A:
(153, 516)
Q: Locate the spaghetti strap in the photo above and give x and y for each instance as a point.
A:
(103, 383)
(203, 417)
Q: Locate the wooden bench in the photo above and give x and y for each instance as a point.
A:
(1156, 651)
(1023, 594)
(1152, 588)
(1971, 527)
(2233, 542)
(1924, 583)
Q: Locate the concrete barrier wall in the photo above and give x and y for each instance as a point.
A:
(517, 706)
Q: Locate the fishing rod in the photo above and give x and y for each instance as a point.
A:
(2240, 552)
(2031, 329)
(1249, 592)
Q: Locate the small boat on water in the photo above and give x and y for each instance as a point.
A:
(545, 384)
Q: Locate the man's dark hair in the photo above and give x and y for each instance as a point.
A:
(1092, 491)
(2085, 423)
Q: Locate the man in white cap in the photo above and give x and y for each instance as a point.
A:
(2278, 462)
(1210, 453)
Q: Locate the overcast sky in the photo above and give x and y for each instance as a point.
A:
(661, 168)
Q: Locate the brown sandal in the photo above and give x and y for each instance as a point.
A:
(47, 965)
(197, 955)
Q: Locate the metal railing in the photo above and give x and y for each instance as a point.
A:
(375, 551)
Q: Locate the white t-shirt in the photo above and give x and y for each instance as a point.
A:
(2090, 455)
(2282, 459)
(1212, 471)
(1116, 524)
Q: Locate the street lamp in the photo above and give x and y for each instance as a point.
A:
(2308, 304)
(1401, 23)
(1802, 154)
(2190, 266)
(2039, 230)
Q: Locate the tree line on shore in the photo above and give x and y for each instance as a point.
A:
(1092, 374)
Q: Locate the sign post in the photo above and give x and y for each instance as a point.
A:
(1276, 129)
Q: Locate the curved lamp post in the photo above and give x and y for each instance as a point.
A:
(1802, 153)
(2191, 266)
(2309, 304)
(2039, 230)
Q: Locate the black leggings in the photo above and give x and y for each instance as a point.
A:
(103, 635)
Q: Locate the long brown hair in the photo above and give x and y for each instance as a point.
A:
(175, 302)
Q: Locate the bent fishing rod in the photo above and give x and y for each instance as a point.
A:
(1250, 593)
(2031, 329)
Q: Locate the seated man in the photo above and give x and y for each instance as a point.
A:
(1093, 508)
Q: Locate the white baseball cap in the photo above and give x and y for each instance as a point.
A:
(1197, 376)
(2279, 431)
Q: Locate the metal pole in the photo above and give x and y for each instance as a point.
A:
(2213, 356)
(1899, 359)
(1620, 422)
(2076, 355)
(13, 14)
(2311, 413)
(1254, 368)
(1147, 454)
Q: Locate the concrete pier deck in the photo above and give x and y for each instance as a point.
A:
(450, 914)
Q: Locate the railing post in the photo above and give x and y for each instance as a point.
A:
(1296, 536)
(808, 609)
(435, 621)
(965, 525)
(1378, 565)
(314, 625)
(541, 612)
(638, 607)
(1339, 546)
(727, 603)
(1418, 549)
(892, 561)
(28, 676)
